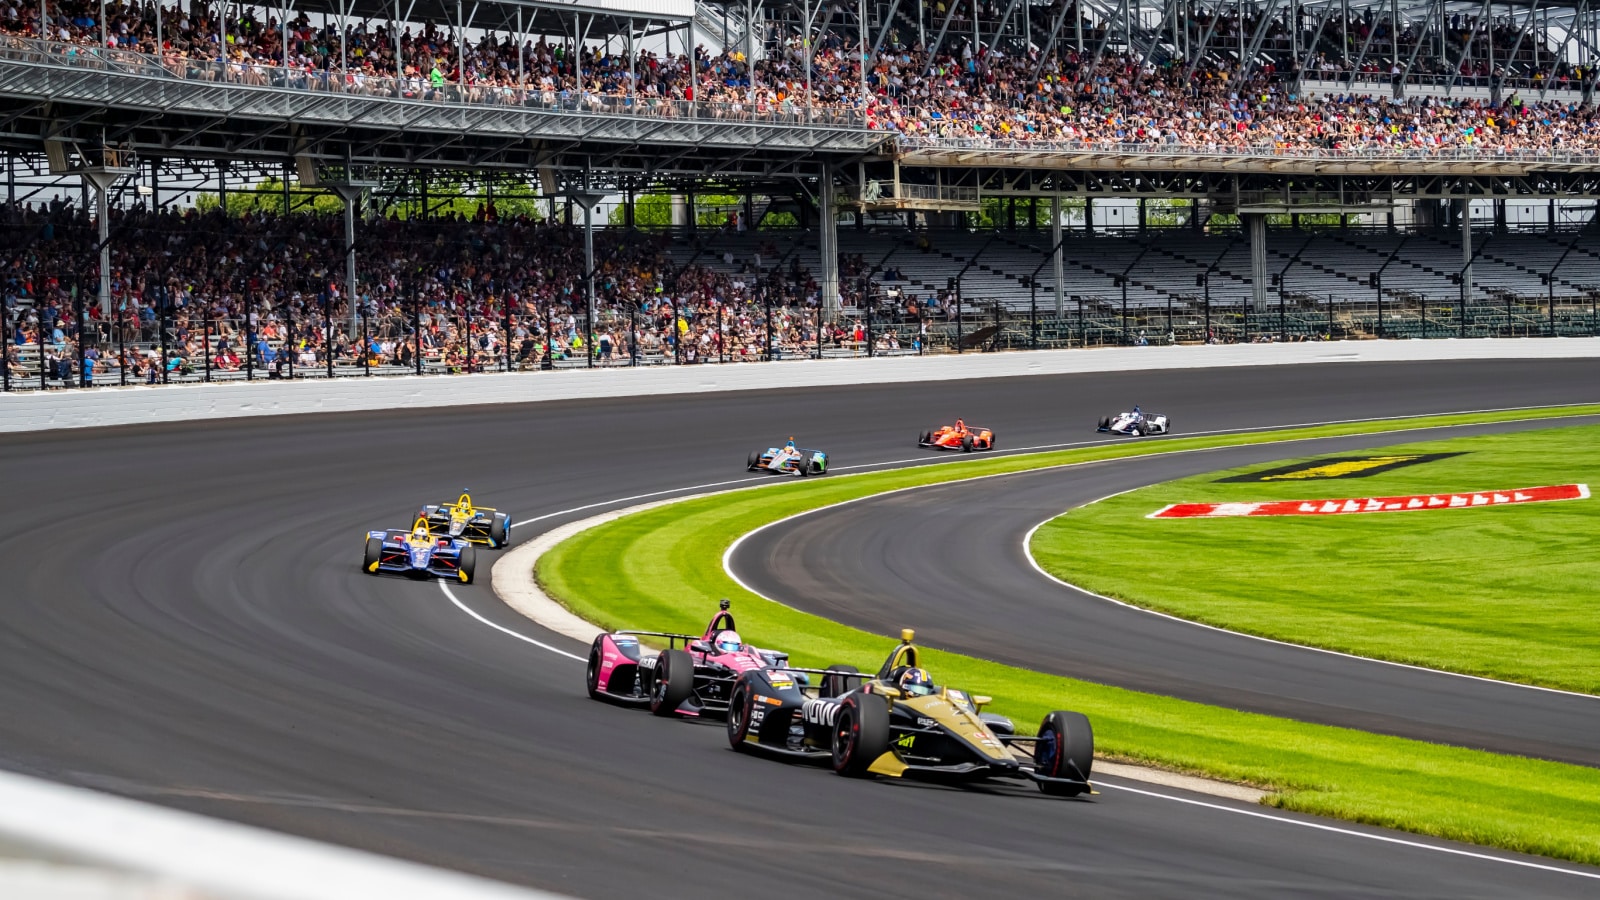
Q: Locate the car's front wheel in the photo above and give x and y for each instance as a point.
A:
(740, 710)
(860, 735)
(1065, 750)
(674, 682)
(374, 553)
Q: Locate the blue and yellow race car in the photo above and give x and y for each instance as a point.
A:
(475, 524)
(419, 553)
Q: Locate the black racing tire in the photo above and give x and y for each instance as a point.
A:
(467, 563)
(834, 686)
(925, 439)
(991, 443)
(805, 468)
(674, 682)
(373, 554)
(966, 443)
(591, 677)
(754, 461)
(860, 735)
(1104, 423)
(739, 714)
(500, 530)
(1065, 750)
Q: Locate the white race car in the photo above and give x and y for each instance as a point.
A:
(1135, 424)
(788, 460)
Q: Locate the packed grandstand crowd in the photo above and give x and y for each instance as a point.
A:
(273, 286)
(967, 92)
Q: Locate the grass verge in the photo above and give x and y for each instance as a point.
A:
(660, 569)
(1502, 593)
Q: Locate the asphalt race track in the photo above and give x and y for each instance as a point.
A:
(184, 621)
(965, 582)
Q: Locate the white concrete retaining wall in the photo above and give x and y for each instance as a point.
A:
(43, 410)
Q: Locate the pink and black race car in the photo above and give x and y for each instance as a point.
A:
(694, 676)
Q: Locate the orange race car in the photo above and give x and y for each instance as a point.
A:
(958, 437)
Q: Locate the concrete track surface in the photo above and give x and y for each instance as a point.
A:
(184, 622)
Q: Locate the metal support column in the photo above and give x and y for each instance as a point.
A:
(102, 180)
(1257, 225)
(351, 195)
(1466, 248)
(1055, 258)
(828, 239)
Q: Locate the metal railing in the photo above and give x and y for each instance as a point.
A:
(1264, 152)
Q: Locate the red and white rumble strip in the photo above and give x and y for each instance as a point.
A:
(1373, 504)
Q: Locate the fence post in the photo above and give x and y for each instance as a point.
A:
(205, 337)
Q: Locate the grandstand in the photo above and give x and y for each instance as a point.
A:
(438, 187)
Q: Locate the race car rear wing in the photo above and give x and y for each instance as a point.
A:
(673, 640)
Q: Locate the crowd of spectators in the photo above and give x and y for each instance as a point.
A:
(966, 92)
(268, 292)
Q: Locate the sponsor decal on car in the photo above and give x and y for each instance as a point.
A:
(820, 712)
(1345, 506)
(1338, 467)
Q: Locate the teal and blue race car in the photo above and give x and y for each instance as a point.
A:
(788, 460)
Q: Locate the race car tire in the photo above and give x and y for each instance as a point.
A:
(739, 715)
(754, 461)
(674, 682)
(834, 686)
(500, 530)
(804, 468)
(925, 439)
(1065, 750)
(1105, 424)
(991, 443)
(966, 444)
(860, 735)
(373, 554)
(591, 676)
(467, 563)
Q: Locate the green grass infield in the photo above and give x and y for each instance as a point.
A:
(1504, 592)
(662, 570)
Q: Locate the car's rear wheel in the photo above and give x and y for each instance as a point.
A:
(500, 531)
(674, 682)
(740, 710)
(374, 553)
(591, 676)
(860, 735)
(1065, 750)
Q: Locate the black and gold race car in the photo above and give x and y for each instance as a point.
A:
(463, 521)
(901, 725)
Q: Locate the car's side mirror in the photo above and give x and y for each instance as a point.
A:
(981, 701)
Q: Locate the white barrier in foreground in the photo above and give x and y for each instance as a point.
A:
(44, 410)
(84, 844)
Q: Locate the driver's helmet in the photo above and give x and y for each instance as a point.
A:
(961, 425)
(915, 682)
(790, 445)
(1136, 411)
(728, 642)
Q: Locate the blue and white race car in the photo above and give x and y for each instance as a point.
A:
(419, 553)
(788, 460)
